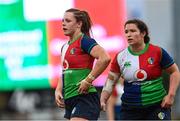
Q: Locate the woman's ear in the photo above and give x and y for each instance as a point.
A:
(79, 24)
(144, 33)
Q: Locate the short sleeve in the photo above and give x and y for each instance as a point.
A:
(87, 44)
(166, 60)
(114, 65)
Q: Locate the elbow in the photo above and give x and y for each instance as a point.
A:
(107, 60)
(103, 60)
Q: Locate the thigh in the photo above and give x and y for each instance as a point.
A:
(69, 105)
(87, 107)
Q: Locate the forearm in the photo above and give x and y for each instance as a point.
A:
(110, 108)
(109, 86)
(100, 65)
(105, 96)
(174, 83)
(59, 85)
(102, 61)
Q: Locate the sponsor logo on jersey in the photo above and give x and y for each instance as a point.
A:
(127, 64)
(140, 75)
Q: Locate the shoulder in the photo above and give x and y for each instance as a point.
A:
(88, 38)
(153, 46)
(87, 43)
(122, 52)
(121, 55)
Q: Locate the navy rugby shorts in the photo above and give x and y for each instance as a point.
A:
(154, 112)
(85, 106)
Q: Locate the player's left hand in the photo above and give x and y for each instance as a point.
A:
(167, 101)
(83, 87)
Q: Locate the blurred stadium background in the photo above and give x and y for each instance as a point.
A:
(31, 38)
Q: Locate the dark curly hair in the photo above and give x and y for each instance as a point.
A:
(141, 26)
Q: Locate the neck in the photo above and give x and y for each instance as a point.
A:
(75, 36)
(137, 48)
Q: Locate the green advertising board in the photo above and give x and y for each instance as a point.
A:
(23, 50)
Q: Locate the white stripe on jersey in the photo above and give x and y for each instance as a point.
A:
(129, 64)
(63, 52)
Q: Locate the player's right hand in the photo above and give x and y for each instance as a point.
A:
(59, 98)
(103, 106)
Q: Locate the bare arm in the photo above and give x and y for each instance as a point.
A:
(108, 87)
(103, 60)
(173, 85)
(110, 107)
(58, 95)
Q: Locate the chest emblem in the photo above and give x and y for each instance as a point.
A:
(72, 51)
(140, 75)
(150, 60)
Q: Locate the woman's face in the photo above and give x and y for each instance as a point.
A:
(69, 24)
(133, 34)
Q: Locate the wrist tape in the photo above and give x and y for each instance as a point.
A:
(109, 85)
(91, 77)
